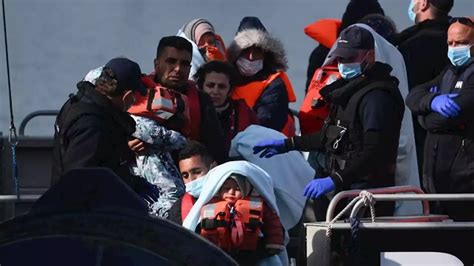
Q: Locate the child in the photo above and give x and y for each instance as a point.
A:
(156, 164)
(243, 225)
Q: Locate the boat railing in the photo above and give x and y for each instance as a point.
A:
(32, 115)
(387, 190)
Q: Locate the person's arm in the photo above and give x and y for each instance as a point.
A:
(212, 135)
(309, 142)
(272, 106)
(464, 100)
(86, 144)
(159, 136)
(379, 114)
(419, 98)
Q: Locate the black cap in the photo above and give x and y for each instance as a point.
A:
(351, 41)
(127, 73)
(443, 5)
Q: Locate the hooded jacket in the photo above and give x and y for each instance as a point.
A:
(272, 105)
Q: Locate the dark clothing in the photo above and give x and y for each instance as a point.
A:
(424, 48)
(449, 148)
(236, 118)
(92, 132)
(362, 133)
(316, 60)
(211, 133)
(272, 105)
(175, 212)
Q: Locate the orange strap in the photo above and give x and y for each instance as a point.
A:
(237, 233)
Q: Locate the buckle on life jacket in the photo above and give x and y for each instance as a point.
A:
(210, 224)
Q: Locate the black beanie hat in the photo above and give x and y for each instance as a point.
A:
(357, 9)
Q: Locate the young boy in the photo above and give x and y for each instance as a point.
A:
(243, 225)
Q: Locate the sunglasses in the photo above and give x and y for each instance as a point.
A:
(462, 20)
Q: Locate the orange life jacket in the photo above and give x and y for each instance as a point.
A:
(187, 203)
(252, 91)
(192, 106)
(159, 103)
(314, 110)
(233, 227)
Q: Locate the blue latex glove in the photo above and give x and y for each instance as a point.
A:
(270, 147)
(319, 187)
(149, 192)
(445, 105)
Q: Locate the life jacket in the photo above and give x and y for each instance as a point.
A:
(159, 103)
(252, 91)
(187, 203)
(314, 110)
(192, 106)
(235, 227)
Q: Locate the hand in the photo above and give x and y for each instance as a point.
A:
(445, 105)
(138, 146)
(319, 187)
(270, 148)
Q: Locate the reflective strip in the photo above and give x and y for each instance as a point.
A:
(209, 211)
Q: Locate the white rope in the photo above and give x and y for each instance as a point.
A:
(368, 201)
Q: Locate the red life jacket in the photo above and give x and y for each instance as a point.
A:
(159, 103)
(240, 118)
(252, 91)
(233, 227)
(193, 107)
(187, 202)
(314, 110)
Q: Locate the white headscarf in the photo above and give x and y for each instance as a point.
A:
(407, 164)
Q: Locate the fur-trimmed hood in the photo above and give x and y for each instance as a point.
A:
(259, 38)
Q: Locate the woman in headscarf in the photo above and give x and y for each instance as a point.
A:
(207, 45)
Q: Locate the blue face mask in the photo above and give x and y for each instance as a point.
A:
(459, 55)
(195, 187)
(411, 13)
(350, 70)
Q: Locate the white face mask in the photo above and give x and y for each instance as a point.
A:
(249, 68)
(195, 187)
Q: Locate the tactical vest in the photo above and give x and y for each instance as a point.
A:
(343, 133)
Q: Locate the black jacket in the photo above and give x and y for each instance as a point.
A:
(424, 48)
(92, 132)
(449, 156)
(449, 147)
(371, 143)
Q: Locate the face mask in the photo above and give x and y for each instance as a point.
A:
(349, 70)
(195, 187)
(411, 13)
(249, 68)
(459, 55)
